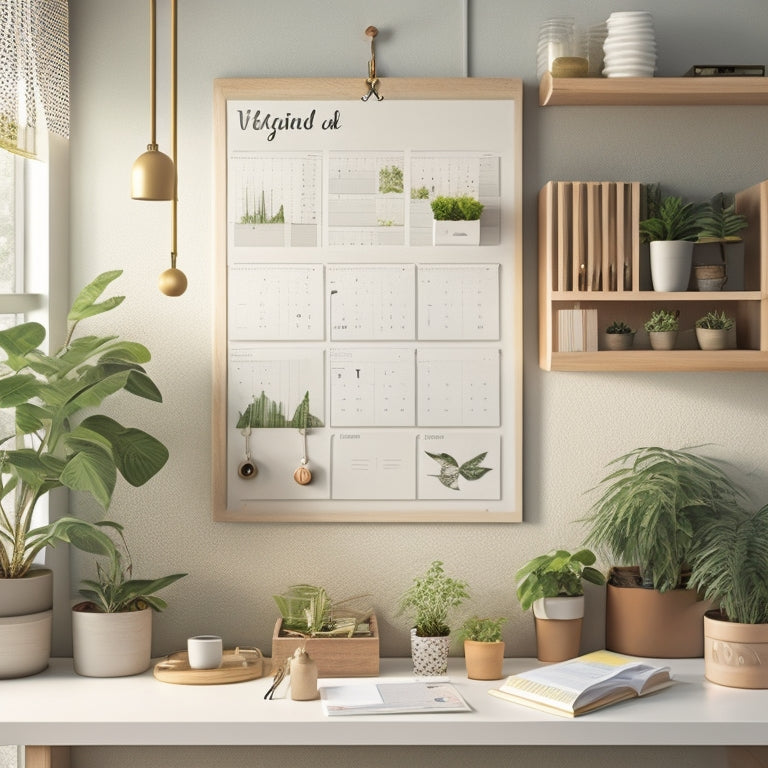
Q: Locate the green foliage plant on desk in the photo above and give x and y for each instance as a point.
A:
(430, 600)
(483, 647)
(729, 563)
(340, 635)
(112, 628)
(645, 521)
(552, 584)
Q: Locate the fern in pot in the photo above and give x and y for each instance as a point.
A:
(645, 521)
(430, 600)
(729, 563)
(720, 246)
(672, 233)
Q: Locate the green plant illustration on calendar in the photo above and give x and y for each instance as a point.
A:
(259, 214)
(263, 412)
(451, 470)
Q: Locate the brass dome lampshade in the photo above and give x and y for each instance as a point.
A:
(153, 176)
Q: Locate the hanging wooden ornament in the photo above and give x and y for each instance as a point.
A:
(302, 475)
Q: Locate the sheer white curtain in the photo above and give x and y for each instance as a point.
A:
(34, 72)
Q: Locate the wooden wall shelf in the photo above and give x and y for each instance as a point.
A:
(652, 91)
(588, 236)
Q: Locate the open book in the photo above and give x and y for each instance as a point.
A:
(584, 684)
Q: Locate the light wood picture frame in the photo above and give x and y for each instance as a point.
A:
(388, 366)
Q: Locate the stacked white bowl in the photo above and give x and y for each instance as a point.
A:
(630, 46)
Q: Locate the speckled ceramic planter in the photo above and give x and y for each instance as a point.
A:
(429, 654)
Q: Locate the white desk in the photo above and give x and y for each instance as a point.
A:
(58, 707)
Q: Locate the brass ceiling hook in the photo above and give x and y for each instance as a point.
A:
(372, 81)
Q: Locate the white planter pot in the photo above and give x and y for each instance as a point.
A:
(662, 340)
(32, 593)
(429, 654)
(25, 623)
(456, 232)
(671, 262)
(111, 644)
(559, 608)
(25, 644)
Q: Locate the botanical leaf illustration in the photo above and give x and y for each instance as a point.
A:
(450, 471)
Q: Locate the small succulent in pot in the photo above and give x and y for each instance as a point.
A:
(619, 326)
(716, 321)
(663, 320)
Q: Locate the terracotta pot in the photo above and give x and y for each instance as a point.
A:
(558, 623)
(429, 654)
(111, 644)
(484, 660)
(735, 654)
(646, 622)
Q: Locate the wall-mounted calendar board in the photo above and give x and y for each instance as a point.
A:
(346, 340)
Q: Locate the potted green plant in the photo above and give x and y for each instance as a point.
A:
(52, 445)
(552, 584)
(456, 220)
(112, 628)
(483, 647)
(645, 521)
(340, 635)
(729, 563)
(671, 233)
(713, 330)
(430, 600)
(618, 335)
(720, 247)
(662, 328)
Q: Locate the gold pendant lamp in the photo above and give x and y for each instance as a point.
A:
(173, 282)
(153, 176)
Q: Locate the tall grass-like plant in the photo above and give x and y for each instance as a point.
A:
(729, 563)
(430, 600)
(652, 506)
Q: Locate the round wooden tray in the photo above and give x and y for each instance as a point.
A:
(237, 666)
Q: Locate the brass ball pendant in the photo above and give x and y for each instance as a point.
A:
(302, 475)
(172, 282)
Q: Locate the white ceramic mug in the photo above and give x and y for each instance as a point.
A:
(204, 651)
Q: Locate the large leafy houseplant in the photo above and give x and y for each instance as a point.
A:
(651, 507)
(51, 445)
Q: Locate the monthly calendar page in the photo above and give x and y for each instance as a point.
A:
(360, 347)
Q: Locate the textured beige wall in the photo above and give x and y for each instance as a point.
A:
(573, 423)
